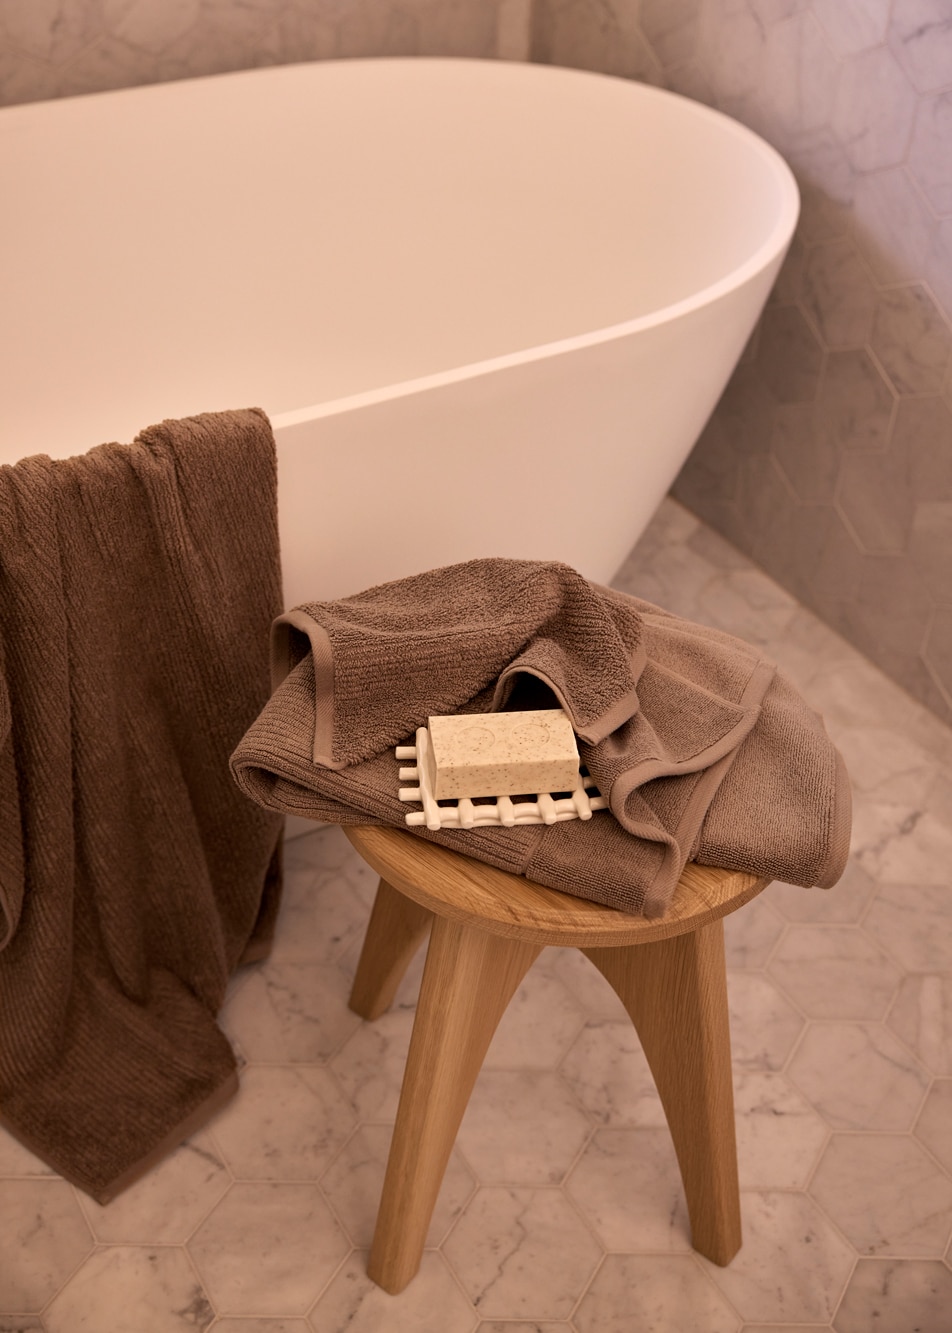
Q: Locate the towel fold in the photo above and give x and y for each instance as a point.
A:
(137, 584)
(701, 747)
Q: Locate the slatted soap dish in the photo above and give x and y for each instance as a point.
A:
(461, 757)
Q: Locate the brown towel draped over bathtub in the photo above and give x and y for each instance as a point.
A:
(138, 585)
(702, 748)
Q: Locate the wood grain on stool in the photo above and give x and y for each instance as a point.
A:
(488, 927)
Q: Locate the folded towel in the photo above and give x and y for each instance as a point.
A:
(701, 747)
(137, 584)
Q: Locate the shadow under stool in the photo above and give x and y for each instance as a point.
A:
(487, 927)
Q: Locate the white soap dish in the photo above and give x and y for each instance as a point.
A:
(502, 812)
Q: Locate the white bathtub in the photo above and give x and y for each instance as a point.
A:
(488, 306)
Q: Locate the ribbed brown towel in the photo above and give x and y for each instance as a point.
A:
(701, 746)
(137, 585)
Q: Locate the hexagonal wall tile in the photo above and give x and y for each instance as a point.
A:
(522, 1254)
(852, 25)
(874, 109)
(920, 36)
(855, 405)
(838, 292)
(884, 1193)
(126, 1287)
(928, 159)
(267, 1247)
(911, 339)
(789, 355)
(43, 1237)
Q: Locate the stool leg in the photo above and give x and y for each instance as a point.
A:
(469, 979)
(675, 992)
(395, 931)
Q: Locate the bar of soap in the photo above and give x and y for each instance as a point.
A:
(501, 754)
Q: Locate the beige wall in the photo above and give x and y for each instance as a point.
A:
(829, 458)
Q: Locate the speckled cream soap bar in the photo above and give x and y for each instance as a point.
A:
(500, 754)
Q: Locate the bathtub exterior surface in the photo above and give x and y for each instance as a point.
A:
(487, 306)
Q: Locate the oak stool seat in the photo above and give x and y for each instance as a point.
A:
(487, 927)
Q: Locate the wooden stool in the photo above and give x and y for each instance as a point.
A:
(488, 927)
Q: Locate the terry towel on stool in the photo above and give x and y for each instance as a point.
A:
(702, 748)
(137, 586)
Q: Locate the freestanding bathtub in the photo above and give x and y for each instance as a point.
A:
(488, 306)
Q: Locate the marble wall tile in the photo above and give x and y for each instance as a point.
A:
(148, 26)
(920, 34)
(853, 25)
(838, 292)
(928, 156)
(911, 339)
(652, 1294)
(789, 354)
(605, 37)
(874, 110)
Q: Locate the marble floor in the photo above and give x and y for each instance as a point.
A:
(562, 1210)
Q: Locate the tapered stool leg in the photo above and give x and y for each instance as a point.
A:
(675, 991)
(395, 931)
(469, 979)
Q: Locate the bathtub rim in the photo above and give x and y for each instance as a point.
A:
(775, 244)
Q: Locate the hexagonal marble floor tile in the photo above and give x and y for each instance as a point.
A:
(352, 1186)
(16, 1161)
(934, 1126)
(583, 979)
(522, 1254)
(132, 1287)
(764, 1025)
(522, 1127)
(921, 1016)
(323, 912)
(779, 1135)
(792, 1266)
(653, 1294)
(911, 920)
(518, 1326)
(538, 1027)
(834, 972)
(286, 1123)
(886, 1194)
(432, 1303)
(751, 934)
(268, 1246)
(844, 904)
(859, 1076)
(370, 1065)
(165, 1206)
(290, 1013)
(607, 1070)
(896, 1294)
(627, 1184)
(261, 1326)
(43, 1239)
